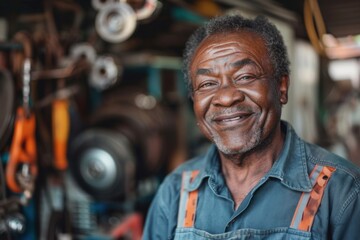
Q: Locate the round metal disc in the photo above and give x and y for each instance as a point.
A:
(85, 50)
(115, 22)
(103, 163)
(98, 168)
(104, 73)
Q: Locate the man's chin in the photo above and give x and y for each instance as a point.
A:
(233, 151)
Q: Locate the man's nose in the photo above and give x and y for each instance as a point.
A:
(228, 95)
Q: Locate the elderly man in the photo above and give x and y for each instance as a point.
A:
(258, 180)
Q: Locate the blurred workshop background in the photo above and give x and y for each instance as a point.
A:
(94, 112)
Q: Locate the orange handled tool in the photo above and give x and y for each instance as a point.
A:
(22, 150)
(131, 224)
(60, 125)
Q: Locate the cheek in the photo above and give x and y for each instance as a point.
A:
(264, 95)
(258, 95)
(274, 97)
(270, 102)
(201, 105)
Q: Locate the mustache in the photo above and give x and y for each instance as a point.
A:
(225, 111)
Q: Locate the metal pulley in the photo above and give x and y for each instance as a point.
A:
(145, 9)
(103, 163)
(83, 50)
(104, 73)
(126, 143)
(115, 22)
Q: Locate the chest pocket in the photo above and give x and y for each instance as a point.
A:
(299, 229)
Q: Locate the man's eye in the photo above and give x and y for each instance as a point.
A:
(206, 85)
(245, 78)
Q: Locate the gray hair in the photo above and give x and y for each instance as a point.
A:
(233, 23)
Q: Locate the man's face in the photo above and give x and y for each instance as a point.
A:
(237, 102)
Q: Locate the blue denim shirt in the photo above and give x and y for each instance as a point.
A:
(270, 205)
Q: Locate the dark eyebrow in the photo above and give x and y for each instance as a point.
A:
(243, 62)
(203, 71)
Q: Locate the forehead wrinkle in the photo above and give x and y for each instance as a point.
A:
(216, 46)
(237, 64)
(219, 49)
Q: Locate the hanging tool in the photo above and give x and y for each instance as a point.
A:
(21, 168)
(22, 151)
(60, 126)
(23, 147)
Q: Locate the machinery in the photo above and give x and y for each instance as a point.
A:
(83, 143)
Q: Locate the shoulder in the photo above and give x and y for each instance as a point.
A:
(323, 157)
(344, 186)
(316, 155)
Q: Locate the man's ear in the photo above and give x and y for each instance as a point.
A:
(284, 88)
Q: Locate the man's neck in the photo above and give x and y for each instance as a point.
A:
(242, 172)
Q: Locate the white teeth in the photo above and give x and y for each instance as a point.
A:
(231, 119)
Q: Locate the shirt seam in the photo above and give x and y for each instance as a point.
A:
(346, 204)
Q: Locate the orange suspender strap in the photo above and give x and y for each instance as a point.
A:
(310, 201)
(188, 200)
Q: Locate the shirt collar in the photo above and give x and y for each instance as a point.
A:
(290, 167)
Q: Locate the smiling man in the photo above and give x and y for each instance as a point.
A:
(258, 180)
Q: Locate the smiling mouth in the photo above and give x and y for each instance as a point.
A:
(232, 118)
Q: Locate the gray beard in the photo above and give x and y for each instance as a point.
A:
(254, 141)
